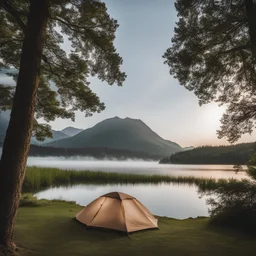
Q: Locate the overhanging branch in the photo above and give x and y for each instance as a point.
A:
(87, 30)
(7, 6)
(9, 41)
(235, 49)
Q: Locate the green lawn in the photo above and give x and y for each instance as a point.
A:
(49, 229)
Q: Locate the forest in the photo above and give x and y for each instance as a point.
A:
(234, 154)
(96, 152)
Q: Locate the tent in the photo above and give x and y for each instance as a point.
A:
(117, 211)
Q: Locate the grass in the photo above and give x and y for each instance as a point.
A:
(41, 178)
(49, 229)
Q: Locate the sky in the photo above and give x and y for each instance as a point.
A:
(150, 93)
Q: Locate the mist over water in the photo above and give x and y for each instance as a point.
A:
(136, 166)
(172, 200)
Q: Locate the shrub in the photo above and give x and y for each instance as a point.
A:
(234, 204)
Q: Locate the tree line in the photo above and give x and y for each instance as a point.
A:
(97, 152)
(235, 154)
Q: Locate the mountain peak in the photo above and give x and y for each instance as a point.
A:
(121, 133)
(133, 119)
(71, 131)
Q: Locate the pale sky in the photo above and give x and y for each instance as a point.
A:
(150, 93)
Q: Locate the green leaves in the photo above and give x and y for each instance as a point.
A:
(92, 32)
(64, 87)
(47, 105)
(211, 55)
(40, 131)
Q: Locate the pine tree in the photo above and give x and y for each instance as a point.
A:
(213, 54)
(31, 37)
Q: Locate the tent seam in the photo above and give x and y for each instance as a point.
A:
(122, 205)
(97, 211)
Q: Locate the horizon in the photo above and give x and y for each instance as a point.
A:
(150, 93)
(205, 145)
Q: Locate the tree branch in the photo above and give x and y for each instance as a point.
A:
(50, 69)
(235, 49)
(71, 25)
(86, 29)
(14, 14)
(9, 41)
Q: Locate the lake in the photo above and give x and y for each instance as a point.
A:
(172, 200)
(139, 166)
(176, 201)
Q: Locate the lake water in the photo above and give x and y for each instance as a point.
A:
(172, 200)
(176, 201)
(139, 167)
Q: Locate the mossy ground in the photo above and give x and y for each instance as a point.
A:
(49, 228)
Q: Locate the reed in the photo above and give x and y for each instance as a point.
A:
(38, 178)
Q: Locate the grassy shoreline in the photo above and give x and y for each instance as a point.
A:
(49, 228)
(38, 178)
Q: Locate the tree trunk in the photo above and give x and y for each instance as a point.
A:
(17, 140)
(251, 19)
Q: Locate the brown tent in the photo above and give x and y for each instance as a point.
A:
(117, 211)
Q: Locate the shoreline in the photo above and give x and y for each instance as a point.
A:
(38, 178)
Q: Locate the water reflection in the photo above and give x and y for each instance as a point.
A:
(176, 201)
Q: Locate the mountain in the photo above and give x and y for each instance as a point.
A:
(56, 135)
(117, 133)
(234, 154)
(71, 131)
(188, 148)
(4, 119)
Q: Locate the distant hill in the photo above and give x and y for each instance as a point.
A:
(56, 135)
(71, 131)
(116, 133)
(234, 154)
(188, 148)
(4, 119)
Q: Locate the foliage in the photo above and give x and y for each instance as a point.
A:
(213, 54)
(29, 200)
(234, 204)
(64, 81)
(252, 167)
(234, 154)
